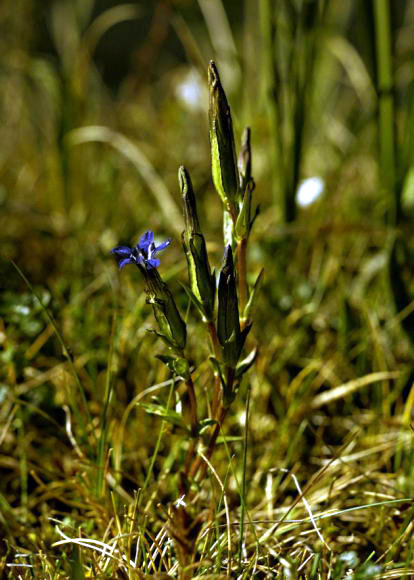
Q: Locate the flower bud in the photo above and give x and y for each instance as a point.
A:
(228, 322)
(223, 153)
(172, 326)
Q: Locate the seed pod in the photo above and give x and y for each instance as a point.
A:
(228, 322)
(223, 152)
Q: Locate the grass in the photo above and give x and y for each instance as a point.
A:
(312, 474)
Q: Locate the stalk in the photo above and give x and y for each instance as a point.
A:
(270, 74)
(243, 490)
(386, 130)
(193, 405)
(199, 467)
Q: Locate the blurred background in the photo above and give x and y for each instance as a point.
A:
(100, 102)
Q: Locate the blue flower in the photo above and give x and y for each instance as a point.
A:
(143, 254)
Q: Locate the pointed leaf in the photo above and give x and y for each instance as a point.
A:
(228, 323)
(243, 222)
(228, 229)
(245, 159)
(217, 369)
(204, 424)
(194, 299)
(228, 439)
(204, 282)
(247, 314)
(244, 365)
(171, 344)
(166, 414)
(189, 201)
(178, 365)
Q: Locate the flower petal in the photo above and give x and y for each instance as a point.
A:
(162, 246)
(153, 263)
(124, 262)
(122, 251)
(145, 240)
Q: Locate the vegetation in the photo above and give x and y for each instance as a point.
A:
(263, 429)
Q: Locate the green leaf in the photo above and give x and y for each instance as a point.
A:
(228, 233)
(245, 159)
(193, 298)
(247, 314)
(163, 337)
(228, 323)
(218, 369)
(76, 568)
(204, 424)
(244, 365)
(178, 365)
(228, 439)
(192, 224)
(243, 222)
(172, 326)
(166, 414)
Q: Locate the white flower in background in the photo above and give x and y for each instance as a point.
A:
(190, 90)
(309, 190)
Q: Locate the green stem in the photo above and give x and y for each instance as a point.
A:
(193, 406)
(243, 490)
(386, 130)
(270, 74)
(199, 467)
(194, 426)
(217, 396)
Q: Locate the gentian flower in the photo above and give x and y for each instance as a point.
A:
(143, 254)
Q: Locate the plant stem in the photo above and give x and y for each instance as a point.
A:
(272, 101)
(194, 423)
(243, 490)
(199, 468)
(216, 398)
(193, 405)
(386, 129)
